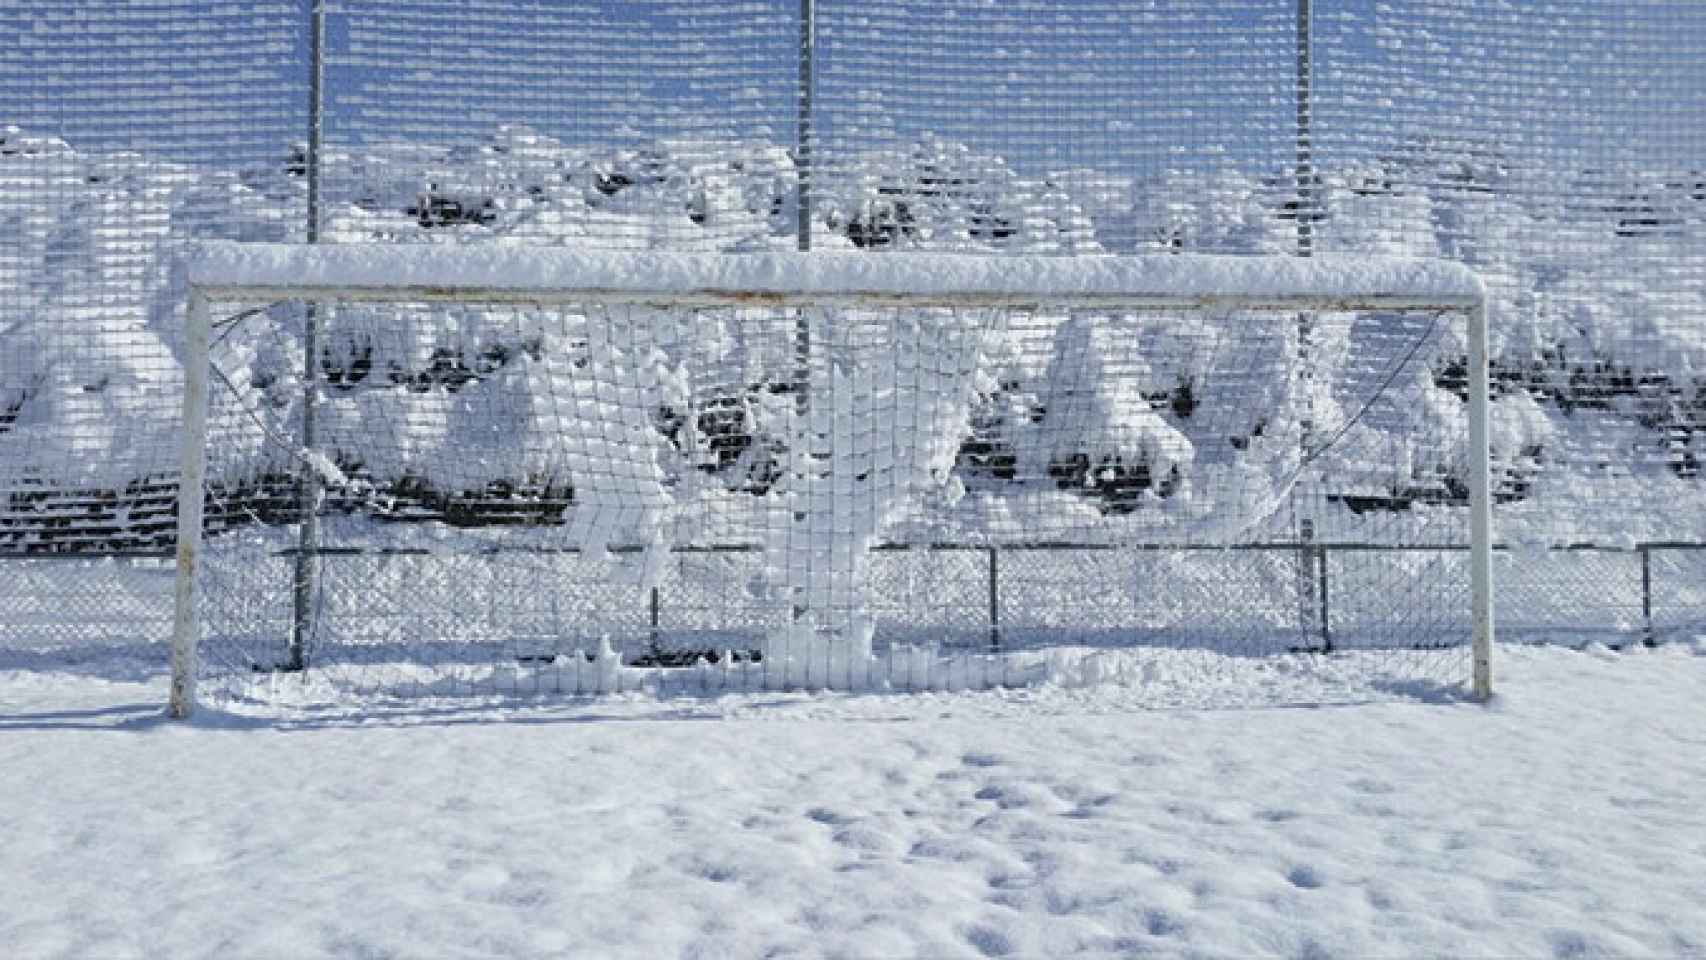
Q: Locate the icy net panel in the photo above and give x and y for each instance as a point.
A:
(622, 124)
(1558, 150)
(610, 496)
(126, 129)
(1089, 126)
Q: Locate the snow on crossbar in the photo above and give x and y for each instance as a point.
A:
(499, 273)
(802, 408)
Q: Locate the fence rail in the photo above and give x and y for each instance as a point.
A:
(1646, 593)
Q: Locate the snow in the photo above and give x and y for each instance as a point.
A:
(517, 268)
(1564, 820)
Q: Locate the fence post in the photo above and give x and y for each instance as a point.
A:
(1647, 638)
(656, 616)
(305, 578)
(994, 598)
(1321, 592)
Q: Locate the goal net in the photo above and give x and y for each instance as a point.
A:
(507, 470)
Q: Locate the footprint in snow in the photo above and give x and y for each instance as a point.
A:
(1371, 786)
(1568, 944)
(828, 817)
(989, 941)
(1090, 807)
(1160, 923)
(1304, 877)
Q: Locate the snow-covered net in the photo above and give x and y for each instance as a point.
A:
(1557, 150)
(126, 129)
(625, 124)
(1072, 127)
(706, 487)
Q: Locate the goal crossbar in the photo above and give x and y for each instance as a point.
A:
(225, 271)
(520, 275)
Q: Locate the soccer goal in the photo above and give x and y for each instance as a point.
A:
(443, 470)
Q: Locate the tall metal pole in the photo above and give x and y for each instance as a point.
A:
(799, 580)
(1305, 135)
(803, 125)
(306, 577)
(1310, 574)
(316, 76)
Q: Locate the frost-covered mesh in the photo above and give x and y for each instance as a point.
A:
(1075, 127)
(613, 495)
(625, 124)
(126, 129)
(1560, 150)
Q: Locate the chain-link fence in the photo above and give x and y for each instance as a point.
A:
(1559, 150)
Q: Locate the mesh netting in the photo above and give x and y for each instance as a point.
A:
(1072, 128)
(649, 124)
(1557, 149)
(611, 494)
(126, 129)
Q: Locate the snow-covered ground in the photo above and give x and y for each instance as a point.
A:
(1566, 819)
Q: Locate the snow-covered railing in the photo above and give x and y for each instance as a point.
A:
(508, 273)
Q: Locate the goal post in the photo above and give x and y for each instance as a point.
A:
(1059, 402)
(186, 630)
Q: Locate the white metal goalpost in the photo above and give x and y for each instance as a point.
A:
(855, 302)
